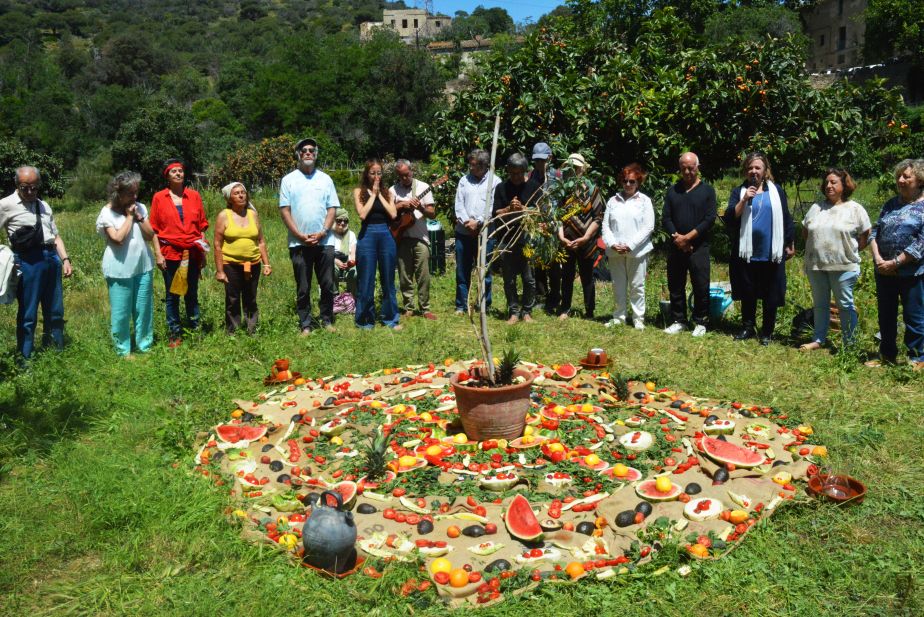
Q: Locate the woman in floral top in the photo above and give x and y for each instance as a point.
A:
(897, 243)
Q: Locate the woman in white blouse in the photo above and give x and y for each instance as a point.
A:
(128, 264)
(627, 226)
(835, 232)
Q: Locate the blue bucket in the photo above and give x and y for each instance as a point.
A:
(719, 301)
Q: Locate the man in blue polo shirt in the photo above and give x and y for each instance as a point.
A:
(307, 203)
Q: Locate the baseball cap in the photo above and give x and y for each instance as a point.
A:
(307, 141)
(542, 151)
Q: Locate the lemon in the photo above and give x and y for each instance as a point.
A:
(528, 439)
(528, 431)
(556, 447)
(502, 444)
(806, 430)
(441, 564)
(663, 484)
(559, 409)
(426, 417)
(434, 450)
(407, 461)
(587, 408)
(335, 440)
(620, 470)
(399, 408)
(592, 460)
(460, 438)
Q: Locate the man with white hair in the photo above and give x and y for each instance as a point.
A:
(689, 214)
(413, 196)
(41, 259)
(471, 208)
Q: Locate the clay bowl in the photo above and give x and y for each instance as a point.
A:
(839, 489)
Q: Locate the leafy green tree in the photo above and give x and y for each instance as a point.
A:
(156, 132)
(894, 28)
(14, 154)
(754, 23)
(668, 92)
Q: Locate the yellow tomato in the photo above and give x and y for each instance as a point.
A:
(663, 484)
(460, 438)
(592, 460)
(556, 447)
(441, 564)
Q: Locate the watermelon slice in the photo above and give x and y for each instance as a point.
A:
(648, 490)
(566, 371)
(237, 433)
(728, 453)
(347, 492)
(521, 521)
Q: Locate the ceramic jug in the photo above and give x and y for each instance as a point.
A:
(329, 535)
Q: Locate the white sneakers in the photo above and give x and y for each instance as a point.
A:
(615, 321)
(674, 328)
(638, 324)
(699, 330)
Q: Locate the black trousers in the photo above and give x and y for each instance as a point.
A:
(320, 259)
(585, 268)
(697, 265)
(241, 289)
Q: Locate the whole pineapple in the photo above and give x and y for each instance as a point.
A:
(374, 455)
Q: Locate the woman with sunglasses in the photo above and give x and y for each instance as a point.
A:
(344, 242)
(835, 231)
(627, 225)
(762, 237)
(375, 249)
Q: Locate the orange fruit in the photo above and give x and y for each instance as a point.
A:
(458, 577)
(574, 569)
(698, 550)
(299, 381)
(454, 532)
(737, 516)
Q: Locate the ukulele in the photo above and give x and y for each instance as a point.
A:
(405, 218)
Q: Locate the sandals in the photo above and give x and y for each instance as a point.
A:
(810, 346)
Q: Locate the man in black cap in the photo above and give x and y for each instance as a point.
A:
(307, 202)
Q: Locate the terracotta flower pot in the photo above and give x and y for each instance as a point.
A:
(494, 413)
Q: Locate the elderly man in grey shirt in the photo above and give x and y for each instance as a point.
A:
(41, 260)
(471, 212)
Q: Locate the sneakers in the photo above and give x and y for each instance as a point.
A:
(615, 321)
(638, 324)
(674, 328)
(699, 330)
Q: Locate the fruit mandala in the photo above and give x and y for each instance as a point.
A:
(606, 477)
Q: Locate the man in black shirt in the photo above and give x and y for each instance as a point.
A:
(689, 213)
(511, 198)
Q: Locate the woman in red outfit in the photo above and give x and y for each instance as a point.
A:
(179, 223)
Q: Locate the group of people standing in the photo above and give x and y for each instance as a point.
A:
(394, 237)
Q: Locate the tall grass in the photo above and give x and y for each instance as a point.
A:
(99, 514)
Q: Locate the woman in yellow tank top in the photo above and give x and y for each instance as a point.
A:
(239, 251)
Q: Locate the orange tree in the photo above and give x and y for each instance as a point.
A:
(649, 97)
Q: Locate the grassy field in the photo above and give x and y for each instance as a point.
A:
(100, 515)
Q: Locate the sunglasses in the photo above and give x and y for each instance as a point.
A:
(342, 221)
(628, 181)
(307, 149)
(27, 188)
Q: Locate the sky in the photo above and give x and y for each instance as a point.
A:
(519, 10)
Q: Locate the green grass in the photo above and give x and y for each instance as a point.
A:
(100, 515)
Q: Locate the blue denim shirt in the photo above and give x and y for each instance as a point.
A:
(901, 228)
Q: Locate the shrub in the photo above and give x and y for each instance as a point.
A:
(14, 154)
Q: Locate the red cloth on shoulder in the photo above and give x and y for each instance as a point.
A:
(176, 236)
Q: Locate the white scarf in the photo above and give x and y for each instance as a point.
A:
(745, 240)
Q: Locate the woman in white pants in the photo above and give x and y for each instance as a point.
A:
(627, 226)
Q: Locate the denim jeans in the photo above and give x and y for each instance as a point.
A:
(466, 258)
(376, 250)
(191, 300)
(40, 283)
(840, 282)
(910, 290)
(131, 301)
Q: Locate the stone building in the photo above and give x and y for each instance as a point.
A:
(412, 25)
(836, 29)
